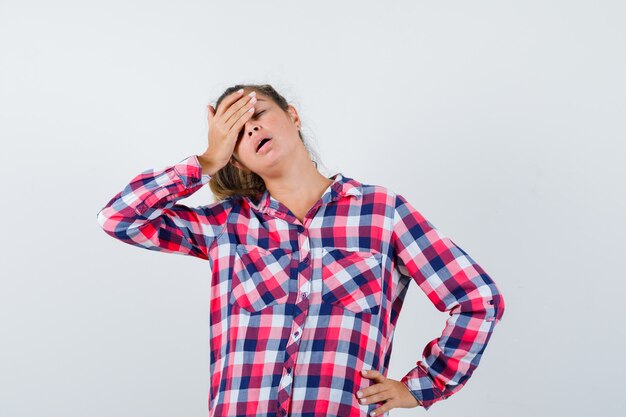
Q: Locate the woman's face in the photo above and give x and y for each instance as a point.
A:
(267, 121)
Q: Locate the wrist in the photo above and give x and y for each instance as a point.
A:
(209, 167)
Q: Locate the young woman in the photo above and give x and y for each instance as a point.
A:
(308, 273)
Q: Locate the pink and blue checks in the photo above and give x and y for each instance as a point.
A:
(298, 309)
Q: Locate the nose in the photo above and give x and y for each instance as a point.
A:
(243, 131)
(254, 128)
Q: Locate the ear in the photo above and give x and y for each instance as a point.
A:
(236, 164)
(293, 113)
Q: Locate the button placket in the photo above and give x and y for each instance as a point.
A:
(291, 350)
(305, 251)
(304, 290)
(305, 261)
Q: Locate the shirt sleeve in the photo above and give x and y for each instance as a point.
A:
(145, 212)
(454, 283)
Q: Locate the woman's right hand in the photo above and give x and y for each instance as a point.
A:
(224, 127)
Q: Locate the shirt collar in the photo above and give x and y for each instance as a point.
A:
(340, 187)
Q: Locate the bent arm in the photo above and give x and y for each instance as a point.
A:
(145, 212)
(456, 284)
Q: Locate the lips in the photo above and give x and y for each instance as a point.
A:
(262, 142)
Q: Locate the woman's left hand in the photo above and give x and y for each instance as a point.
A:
(394, 393)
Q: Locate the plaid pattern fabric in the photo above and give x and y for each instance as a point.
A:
(297, 310)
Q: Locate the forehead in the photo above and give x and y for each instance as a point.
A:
(265, 102)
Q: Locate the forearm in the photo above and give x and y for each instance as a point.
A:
(146, 213)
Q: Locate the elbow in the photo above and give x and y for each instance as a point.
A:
(113, 223)
(110, 227)
(103, 220)
(114, 220)
(100, 217)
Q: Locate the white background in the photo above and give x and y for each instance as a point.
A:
(501, 121)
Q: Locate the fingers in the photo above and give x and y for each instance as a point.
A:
(232, 113)
(232, 110)
(383, 398)
(373, 374)
(244, 115)
(238, 110)
(374, 394)
(367, 394)
(381, 392)
(231, 105)
(387, 395)
(228, 101)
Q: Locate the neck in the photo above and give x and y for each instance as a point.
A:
(299, 184)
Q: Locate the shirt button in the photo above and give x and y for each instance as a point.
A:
(306, 260)
(303, 295)
(289, 370)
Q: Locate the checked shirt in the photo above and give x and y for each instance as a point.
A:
(298, 309)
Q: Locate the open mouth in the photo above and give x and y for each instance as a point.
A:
(263, 142)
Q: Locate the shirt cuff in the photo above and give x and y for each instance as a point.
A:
(422, 386)
(190, 173)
